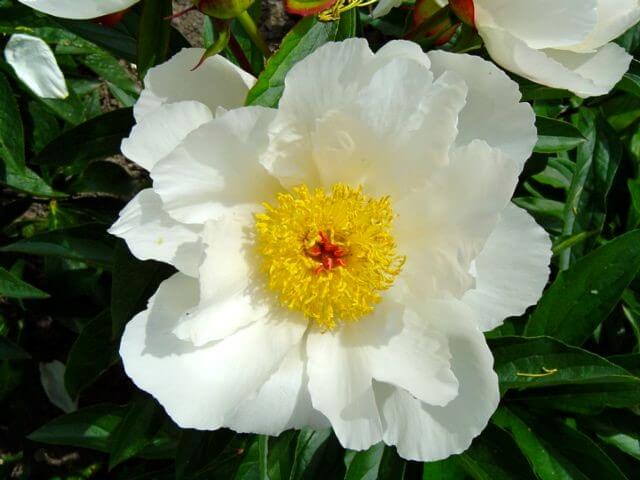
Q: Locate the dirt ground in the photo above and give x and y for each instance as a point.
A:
(274, 24)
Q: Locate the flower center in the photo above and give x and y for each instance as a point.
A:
(328, 256)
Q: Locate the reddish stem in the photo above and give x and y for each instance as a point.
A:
(181, 13)
(237, 51)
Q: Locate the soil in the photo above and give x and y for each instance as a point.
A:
(274, 22)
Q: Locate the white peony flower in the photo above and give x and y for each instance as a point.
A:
(79, 9)
(559, 43)
(339, 257)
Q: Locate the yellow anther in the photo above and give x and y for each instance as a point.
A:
(547, 372)
(333, 13)
(328, 255)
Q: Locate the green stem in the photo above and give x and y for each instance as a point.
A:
(252, 30)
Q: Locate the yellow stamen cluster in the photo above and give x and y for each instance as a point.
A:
(333, 13)
(299, 236)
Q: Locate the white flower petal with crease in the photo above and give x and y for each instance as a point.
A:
(152, 234)
(559, 43)
(511, 270)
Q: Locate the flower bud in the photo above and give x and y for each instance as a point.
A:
(223, 9)
(465, 11)
(111, 20)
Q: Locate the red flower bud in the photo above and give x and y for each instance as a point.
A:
(465, 11)
(111, 20)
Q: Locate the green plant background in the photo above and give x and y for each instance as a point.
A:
(569, 368)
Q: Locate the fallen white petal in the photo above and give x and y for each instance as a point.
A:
(36, 66)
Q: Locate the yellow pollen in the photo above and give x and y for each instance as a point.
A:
(333, 12)
(328, 256)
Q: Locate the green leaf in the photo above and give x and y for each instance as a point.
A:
(136, 431)
(13, 287)
(448, 469)
(11, 351)
(88, 243)
(309, 448)
(12, 152)
(555, 450)
(11, 130)
(630, 362)
(110, 70)
(347, 24)
(29, 182)
(154, 34)
(493, 456)
(280, 456)
(618, 428)
(89, 427)
(113, 40)
(630, 83)
(91, 354)
(104, 177)
(378, 462)
(305, 37)
(249, 466)
(46, 126)
(97, 138)
(70, 109)
(134, 281)
(201, 450)
(596, 167)
(545, 362)
(583, 296)
(556, 135)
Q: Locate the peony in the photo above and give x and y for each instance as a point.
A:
(560, 43)
(338, 257)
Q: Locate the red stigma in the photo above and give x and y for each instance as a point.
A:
(327, 253)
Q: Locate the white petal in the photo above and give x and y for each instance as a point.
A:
(387, 346)
(416, 119)
(442, 227)
(605, 67)
(152, 235)
(324, 81)
(493, 111)
(229, 299)
(402, 49)
(78, 9)
(614, 18)
(216, 83)
(512, 269)
(585, 74)
(282, 403)
(386, 125)
(216, 166)
(384, 6)
(52, 380)
(36, 66)
(391, 139)
(201, 386)
(162, 130)
(541, 23)
(425, 432)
